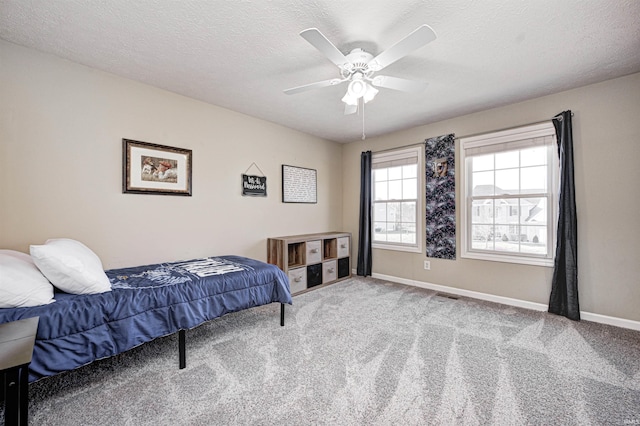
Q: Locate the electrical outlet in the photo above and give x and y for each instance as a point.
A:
(427, 265)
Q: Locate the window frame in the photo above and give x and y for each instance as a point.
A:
(381, 157)
(504, 137)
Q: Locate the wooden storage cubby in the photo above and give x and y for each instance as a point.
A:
(330, 248)
(296, 255)
(312, 260)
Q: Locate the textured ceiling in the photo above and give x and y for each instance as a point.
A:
(242, 54)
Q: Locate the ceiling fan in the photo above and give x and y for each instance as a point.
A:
(359, 68)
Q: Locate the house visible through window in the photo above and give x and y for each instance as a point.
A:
(397, 206)
(510, 195)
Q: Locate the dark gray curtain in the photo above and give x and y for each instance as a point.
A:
(564, 286)
(364, 235)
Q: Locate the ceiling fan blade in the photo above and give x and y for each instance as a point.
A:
(422, 35)
(316, 85)
(400, 84)
(350, 109)
(320, 42)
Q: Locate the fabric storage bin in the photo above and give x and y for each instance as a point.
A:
(314, 252)
(297, 280)
(343, 267)
(343, 246)
(329, 271)
(314, 275)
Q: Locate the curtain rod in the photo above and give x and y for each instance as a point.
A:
(475, 134)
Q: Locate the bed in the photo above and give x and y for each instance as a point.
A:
(145, 303)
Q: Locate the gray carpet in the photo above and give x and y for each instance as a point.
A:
(363, 352)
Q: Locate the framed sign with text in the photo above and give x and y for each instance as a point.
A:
(299, 185)
(255, 186)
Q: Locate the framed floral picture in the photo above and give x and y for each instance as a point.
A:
(155, 169)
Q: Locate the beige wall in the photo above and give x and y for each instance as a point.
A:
(61, 130)
(61, 126)
(606, 130)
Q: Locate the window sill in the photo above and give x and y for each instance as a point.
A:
(411, 249)
(523, 260)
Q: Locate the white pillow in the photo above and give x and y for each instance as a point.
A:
(71, 266)
(21, 283)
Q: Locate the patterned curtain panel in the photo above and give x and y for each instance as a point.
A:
(440, 197)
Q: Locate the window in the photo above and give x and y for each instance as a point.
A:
(510, 195)
(396, 179)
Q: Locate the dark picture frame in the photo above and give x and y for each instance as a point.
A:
(150, 168)
(299, 185)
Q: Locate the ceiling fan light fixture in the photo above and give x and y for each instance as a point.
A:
(350, 100)
(357, 88)
(370, 93)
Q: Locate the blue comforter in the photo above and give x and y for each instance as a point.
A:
(146, 302)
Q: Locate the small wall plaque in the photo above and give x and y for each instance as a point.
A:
(255, 186)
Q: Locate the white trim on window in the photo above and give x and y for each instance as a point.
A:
(512, 139)
(412, 155)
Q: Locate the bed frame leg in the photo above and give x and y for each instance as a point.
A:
(182, 353)
(282, 314)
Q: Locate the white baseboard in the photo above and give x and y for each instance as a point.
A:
(605, 319)
(465, 293)
(587, 316)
